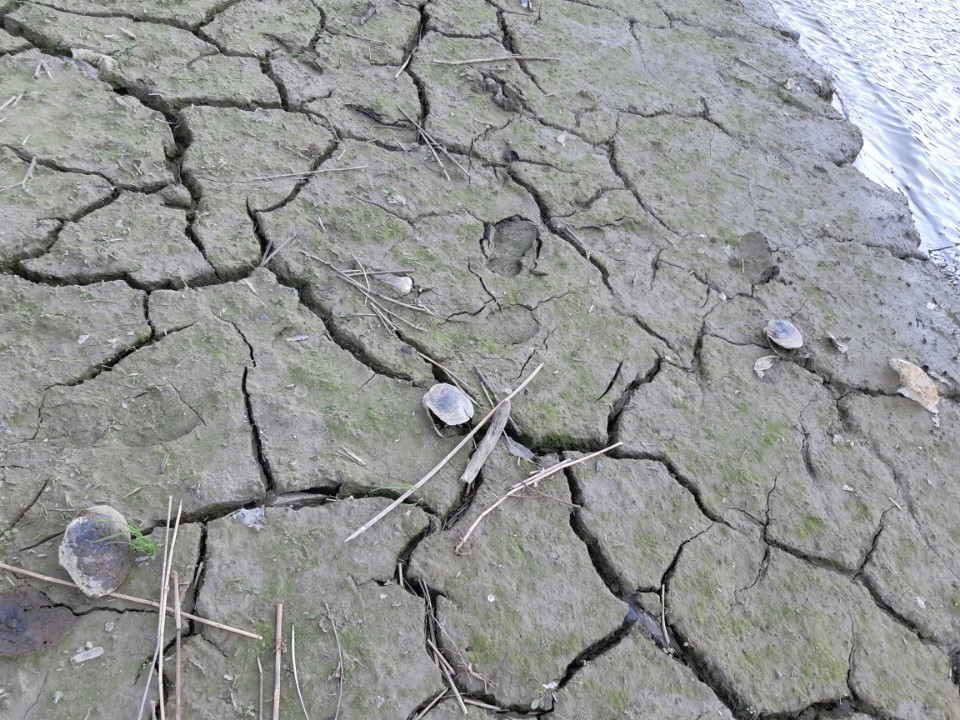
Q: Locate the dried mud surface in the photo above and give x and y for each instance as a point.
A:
(181, 182)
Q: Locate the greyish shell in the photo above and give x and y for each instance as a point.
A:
(449, 403)
(95, 550)
(785, 334)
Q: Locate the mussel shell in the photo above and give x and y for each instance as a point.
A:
(95, 550)
(449, 403)
(785, 334)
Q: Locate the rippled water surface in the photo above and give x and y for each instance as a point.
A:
(897, 68)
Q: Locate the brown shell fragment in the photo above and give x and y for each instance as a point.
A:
(95, 550)
(916, 384)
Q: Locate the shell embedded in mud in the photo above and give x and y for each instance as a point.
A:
(785, 334)
(95, 550)
(916, 384)
(401, 283)
(449, 403)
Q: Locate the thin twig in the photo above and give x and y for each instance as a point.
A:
(260, 690)
(430, 705)
(445, 669)
(278, 648)
(304, 174)
(402, 67)
(296, 676)
(423, 481)
(430, 144)
(530, 481)
(663, 615)
(487, 445)
(271, 252)
(130, 598)
(364, 290)
(488, 389)
(368, 271)
(458, 381)
(431, 140)
(340, 668)
(478, 61)
(26, 177)
(179, 623)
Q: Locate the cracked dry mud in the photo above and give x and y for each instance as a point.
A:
(181, 180)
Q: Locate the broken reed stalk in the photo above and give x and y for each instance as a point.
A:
(430, 705)
(446, 669)
(429, 142)
(486, 446)
(26, 177)
(402, 67)
(130, 598)
(164, 590)
(296, 675)
(530, 481)
(272, 251)
(302, 175)
(663, 614)
(436, 468)
(478, 61)
(336, 636)
(159, 645)
(458, 381)
(491, 393)
(179, 623)
(278, 648)
(432, 141)
(260, 690)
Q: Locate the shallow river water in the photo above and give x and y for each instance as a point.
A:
(897, 71)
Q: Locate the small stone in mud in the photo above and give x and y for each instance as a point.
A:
(95, 550)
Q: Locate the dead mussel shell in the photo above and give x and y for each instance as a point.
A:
(785, 334)
(448, 403)
(95, 550)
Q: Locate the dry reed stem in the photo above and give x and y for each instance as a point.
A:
(296, 675)
(431, 140)
(518, 58)
(304, 174)
(179, 623)
(340, 668)
(487, 445)
(447, 670)
(423, 481)
(159, 643)
(278, 648)
(130, 598)
(26, 177)
(530, 481)
(164, 590)
(260, 690)
(458, 381)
